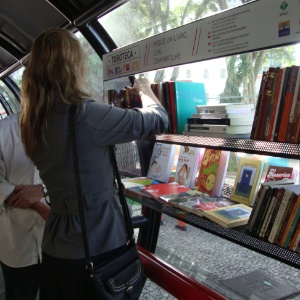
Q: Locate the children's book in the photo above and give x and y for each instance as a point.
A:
(229, 216)
(161, 162)
(198, 204)
(157, 190)
(175, 199)
(208, 171)
(247, 180)
(129, 182)
(279, 174)
(187, 166)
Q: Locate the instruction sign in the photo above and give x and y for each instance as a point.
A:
(254, 26)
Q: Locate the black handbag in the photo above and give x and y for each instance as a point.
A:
(122, 275)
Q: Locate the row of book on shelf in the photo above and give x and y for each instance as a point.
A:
(276, 116)
(192, 179)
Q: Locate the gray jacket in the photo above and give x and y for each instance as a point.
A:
(98, 125)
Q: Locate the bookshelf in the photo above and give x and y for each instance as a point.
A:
(254, 39)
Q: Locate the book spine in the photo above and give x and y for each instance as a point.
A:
(173, 106)
(278, 199)
(256, 208)
(166, 94)
(288, 99)
(222, 121)
(266, 99)
(291, 123)
(258, 105)
(296, 238)
(274, 107)
(270, 105)
(296, 123)
(292, 228)
(276, 226)
(285, 219)
(281, 103)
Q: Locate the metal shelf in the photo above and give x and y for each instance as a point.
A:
(277, 149)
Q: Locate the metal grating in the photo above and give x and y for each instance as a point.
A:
(237, 145)
(237, 235)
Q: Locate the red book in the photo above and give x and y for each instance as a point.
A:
(275, 105)
(288, 99)
(296, 123)
(266, 99)
(157, 190)
(208, 171)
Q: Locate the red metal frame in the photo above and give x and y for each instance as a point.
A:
(173, 281)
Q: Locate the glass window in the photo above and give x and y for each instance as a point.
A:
(95, 70)
(139, 19)
(17, 76)
(8, 100)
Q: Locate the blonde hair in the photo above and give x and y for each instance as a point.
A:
(56, 68)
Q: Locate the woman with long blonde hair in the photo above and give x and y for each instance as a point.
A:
(53, 80)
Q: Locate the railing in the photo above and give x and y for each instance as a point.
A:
(173, 281)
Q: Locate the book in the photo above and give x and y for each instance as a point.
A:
(229, 216)
(256, 207)
(270, 104)
(285, 81)
(288, 190)
(242, 120)
(259, 285)
(293, 221)
(242, 129)
(259, 104)
(233, 115)
(274, 108)
(291, 124)
(198, 204)
(225, 108)
(188, 96)
(247, 181)
(296, 122)
(138, 181)
(221, 174)
(187, 166)
(161, 162)
(157, 190)
(217, 135)
(288, 99)
(276, 173)
(284, 223)
(176, 198)
(208, 171)
(295, 239)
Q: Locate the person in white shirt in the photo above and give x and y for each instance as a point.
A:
(23, 211)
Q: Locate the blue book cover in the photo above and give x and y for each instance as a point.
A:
(188, 95)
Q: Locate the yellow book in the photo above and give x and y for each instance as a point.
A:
(247, 181)
(229, 216)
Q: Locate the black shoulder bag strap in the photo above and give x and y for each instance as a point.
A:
(128, 223)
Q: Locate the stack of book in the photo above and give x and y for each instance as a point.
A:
(277, 115)
(221, 120)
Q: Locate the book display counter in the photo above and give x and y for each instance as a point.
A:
(218, 39)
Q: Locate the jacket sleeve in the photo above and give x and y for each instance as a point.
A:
(5, 187)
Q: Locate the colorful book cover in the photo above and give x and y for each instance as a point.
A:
(221, 174)
(198, 204)
(161, 162)
(276, 173)
(247, 180)
(208, 171)
(157, 190)
(187, 166)
(138, 181)
(188, 95)
(180, 197)
(229, 216)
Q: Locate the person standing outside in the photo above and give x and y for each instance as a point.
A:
(22, 215)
